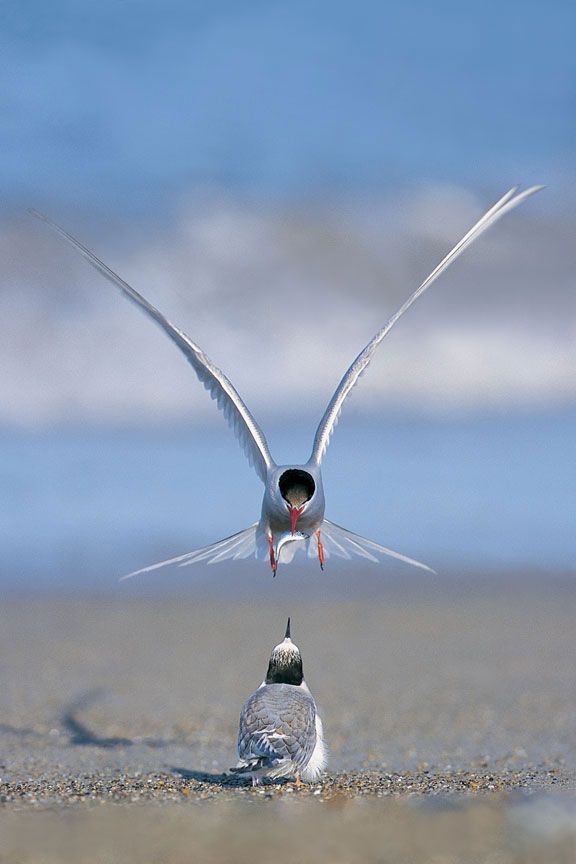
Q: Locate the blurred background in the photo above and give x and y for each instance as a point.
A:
(277, 178)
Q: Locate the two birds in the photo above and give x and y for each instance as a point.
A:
(281, 731)
(292, 516)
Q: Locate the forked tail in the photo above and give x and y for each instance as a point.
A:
(345, 544)
(241, 545)
(253, 543)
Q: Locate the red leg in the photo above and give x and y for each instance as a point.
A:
(273, 562)
(320, 550)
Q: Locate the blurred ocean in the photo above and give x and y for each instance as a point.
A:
(79, 507)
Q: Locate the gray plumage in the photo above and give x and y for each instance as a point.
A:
(277, 730)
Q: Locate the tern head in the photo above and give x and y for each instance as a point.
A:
(285, 666)
(297, 488)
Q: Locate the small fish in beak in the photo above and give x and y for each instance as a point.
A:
(286, 539)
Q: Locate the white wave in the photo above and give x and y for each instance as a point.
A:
(282, 299)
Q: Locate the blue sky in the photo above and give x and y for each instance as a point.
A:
(131, 105)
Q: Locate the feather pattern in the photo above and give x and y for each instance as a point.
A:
(220, 388)
(328, 423)
(345, 544)
(241, 545)
(277, 732)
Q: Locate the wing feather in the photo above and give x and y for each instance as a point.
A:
(277, 728)
(344, 544)
(240, 545)
(220, 388)
(328, 423)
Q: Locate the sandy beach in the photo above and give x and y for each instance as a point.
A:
(447, 697)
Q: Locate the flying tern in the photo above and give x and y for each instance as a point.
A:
(293, 506)
(280, 731)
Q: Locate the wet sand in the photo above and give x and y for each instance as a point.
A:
(448, 700)
(342, 832)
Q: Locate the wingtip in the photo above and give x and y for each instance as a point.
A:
(521, 194)
(528, 191)
(419, 564)
(287, 634)
(37, 214)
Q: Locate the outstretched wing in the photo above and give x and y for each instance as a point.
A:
(239, 418)
(241, 545)
(343, 543)
(332, 413)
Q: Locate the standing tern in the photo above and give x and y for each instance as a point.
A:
(293, 506)
(280, 731)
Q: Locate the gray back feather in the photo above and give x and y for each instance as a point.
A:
(278, 722)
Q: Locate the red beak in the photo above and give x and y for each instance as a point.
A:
(295, 513)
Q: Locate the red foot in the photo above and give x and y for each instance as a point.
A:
(320, 550)
(273, 562)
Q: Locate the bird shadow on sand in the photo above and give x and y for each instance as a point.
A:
(8, 729)
(206, 776)
(231, 780)
(83, 736)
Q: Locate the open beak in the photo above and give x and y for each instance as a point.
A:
(295, 513)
